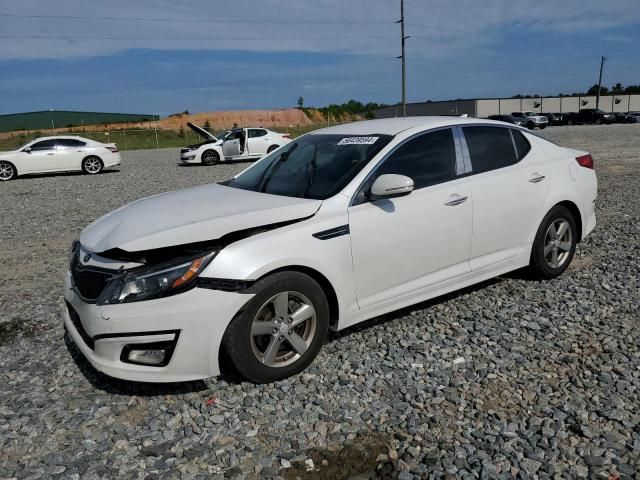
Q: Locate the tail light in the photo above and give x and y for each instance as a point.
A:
(114, 148)
(585, 161)
(286, 135)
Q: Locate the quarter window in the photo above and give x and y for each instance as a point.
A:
(490, 148)
(522, 144)
(428, 159)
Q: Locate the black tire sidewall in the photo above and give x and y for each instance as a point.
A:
(84, 169)
(531, 125)
(13, 167)
(237, 343)
(216, 157)
(538, 263)
(272, 148)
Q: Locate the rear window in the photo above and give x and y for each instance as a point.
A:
(490, 148)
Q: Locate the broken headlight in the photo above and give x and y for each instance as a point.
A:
(154, 282)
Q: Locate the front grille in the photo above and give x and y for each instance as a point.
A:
(75, 319)
(89, 282)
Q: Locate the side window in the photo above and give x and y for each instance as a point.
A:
(43, 145)
(522, 144)
(428, 159)
(255, 133)
(69, 143)
(490, 148)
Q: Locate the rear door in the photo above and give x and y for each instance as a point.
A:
(258, 141)
(70, 153)
(41, 158)
(509, 185)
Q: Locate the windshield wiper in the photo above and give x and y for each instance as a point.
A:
(264, 178)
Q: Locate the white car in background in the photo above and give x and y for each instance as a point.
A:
(58, 154)
(237, 144)
(342, 225)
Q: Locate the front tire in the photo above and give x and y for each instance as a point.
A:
(210, 157)
(281, 330)
(554, 244)
(531, 125)
(92, 165)
(542, 127)
(7, 171)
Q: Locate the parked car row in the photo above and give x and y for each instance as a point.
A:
(593, 116)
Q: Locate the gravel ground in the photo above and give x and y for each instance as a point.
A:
(511, 378)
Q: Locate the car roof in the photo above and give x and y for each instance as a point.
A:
(393, 126)
(70, 137)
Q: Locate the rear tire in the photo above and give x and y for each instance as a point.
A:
(280, 330)
(92, 165)
(271, 149)
(554, 244)
(210, 157)
(7, 171)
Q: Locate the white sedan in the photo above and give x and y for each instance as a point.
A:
(58, 154)
(340, 226)
(236, 144)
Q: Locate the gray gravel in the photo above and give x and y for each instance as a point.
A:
(511, 378)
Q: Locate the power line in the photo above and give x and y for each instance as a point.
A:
(94, 37)
(193, 20)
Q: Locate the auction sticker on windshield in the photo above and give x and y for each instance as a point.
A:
(358, 141)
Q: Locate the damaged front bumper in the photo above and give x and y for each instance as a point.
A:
(187, 327)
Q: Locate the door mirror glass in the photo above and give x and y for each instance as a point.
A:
(27, 149)
(391, 185)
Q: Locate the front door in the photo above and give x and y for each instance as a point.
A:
(403, 244)
(41, 158)
(70, 153)
(233, 145)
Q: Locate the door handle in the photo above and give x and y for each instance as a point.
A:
(455, 200)
(52, 153)
(537, 178)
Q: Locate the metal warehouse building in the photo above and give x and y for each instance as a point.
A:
(48, 119)
(483, 107)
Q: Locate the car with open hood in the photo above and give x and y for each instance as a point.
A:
(236, 144)
(58, 154)
(341, 225)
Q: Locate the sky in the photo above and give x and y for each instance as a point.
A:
(162, 57)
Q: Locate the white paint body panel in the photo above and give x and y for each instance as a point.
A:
(399, 251)
(59, 159)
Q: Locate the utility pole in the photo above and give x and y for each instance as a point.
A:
(403, 37)
(602, 60)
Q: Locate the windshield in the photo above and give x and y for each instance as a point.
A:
(530, 114)
(313, 166)
(222, 135)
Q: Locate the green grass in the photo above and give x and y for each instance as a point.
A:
(139, 139)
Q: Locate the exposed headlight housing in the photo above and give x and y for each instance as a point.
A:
(147, 283)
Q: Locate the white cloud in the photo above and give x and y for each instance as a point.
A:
(439, 27)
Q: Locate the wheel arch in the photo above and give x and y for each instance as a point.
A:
(15, 167)
(575, 211)
(323, 281)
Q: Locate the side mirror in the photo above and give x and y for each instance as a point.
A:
(27, 149)
(391, 185)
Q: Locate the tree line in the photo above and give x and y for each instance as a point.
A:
(617, 89)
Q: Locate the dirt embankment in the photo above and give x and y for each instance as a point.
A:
(218, 121)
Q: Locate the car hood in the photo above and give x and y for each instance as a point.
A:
(188, 216)
(202, 132)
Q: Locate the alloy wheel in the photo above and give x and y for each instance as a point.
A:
(92, 165)
(283, 329)
(557, 243)
(6, 171)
